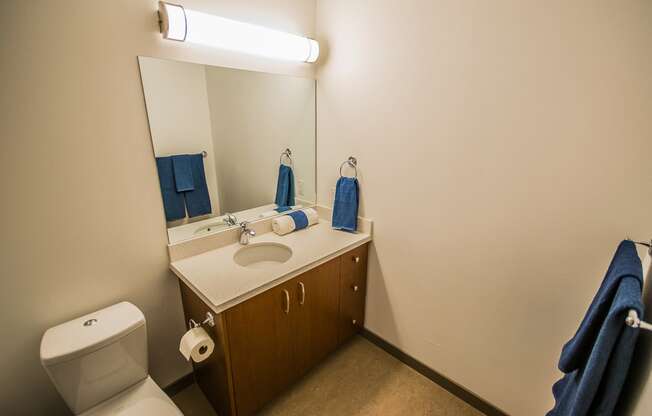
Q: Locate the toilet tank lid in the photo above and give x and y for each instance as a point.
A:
(89, 333)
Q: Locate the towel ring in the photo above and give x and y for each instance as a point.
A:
(204, 153)
(353, 163)
(287, 153)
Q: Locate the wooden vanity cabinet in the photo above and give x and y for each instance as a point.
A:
(266, 343)
(277, 336)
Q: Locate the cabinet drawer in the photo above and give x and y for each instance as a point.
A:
(353, 290)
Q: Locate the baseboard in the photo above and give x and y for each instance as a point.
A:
(453, 388)
(176, 386)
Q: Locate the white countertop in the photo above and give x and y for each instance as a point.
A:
(221, 283)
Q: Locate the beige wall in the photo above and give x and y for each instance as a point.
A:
(177, 111)
(504, 151)
(255, 116)
(82, 212)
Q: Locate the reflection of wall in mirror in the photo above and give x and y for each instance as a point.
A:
(177, 107)
(255, 116)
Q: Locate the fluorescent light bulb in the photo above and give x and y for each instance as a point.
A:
(192, 26)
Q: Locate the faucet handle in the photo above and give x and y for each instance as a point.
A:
(245, 233)
(244, 227)
(230, 219)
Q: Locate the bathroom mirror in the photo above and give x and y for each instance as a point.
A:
(228, 141)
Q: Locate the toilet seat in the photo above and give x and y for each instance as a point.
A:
(143, 399)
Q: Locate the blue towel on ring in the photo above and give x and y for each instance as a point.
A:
(173, 202)
(198, 201)
(182, 167)
(345, 207)
(284, 187)
(596, 360)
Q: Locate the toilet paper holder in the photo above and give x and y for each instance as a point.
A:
(210, 321)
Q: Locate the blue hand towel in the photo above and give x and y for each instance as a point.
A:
(285, 187)
(300, 219)
(282, 209)
(173, 202)
(183, 173)
(345, 208)
(198, 201)
(596, 360)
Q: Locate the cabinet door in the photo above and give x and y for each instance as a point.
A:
(353, 289)
(316, 320)
(261, 341)
(212, 375)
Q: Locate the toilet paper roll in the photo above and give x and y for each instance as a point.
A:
(196, 344)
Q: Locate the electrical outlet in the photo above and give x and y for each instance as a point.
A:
(300, 186)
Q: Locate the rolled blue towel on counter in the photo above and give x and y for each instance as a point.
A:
(345, 207)
(173, 202)
(597, 359)
(300, 219)
(294, 221)
(181, 165)
(284, 187)
(198, 201)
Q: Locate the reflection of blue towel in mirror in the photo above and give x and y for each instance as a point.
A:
(345, 208)
(284, 188)
(181, 165)
(198, 201)
(173, 202)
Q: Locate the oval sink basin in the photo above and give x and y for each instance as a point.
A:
(261, 255)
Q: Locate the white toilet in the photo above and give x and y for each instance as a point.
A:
(98, 363)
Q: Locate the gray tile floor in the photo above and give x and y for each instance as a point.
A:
(358, 380)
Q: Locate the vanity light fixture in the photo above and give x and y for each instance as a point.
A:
(184, 25)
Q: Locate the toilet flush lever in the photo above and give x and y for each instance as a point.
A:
(210, 321)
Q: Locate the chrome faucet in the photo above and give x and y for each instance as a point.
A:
(230, 219)
(245, 233)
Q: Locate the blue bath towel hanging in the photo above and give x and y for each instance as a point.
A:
(345, 207)
(173, 201)
(198, 200)
(182, 168)
(596, 360)
(284, 188)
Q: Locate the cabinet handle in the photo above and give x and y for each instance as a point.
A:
(356, 259)
(286, 309)
(354, 322)
(303, 293)
(355, 288)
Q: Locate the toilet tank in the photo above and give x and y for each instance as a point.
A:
(96, 356)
